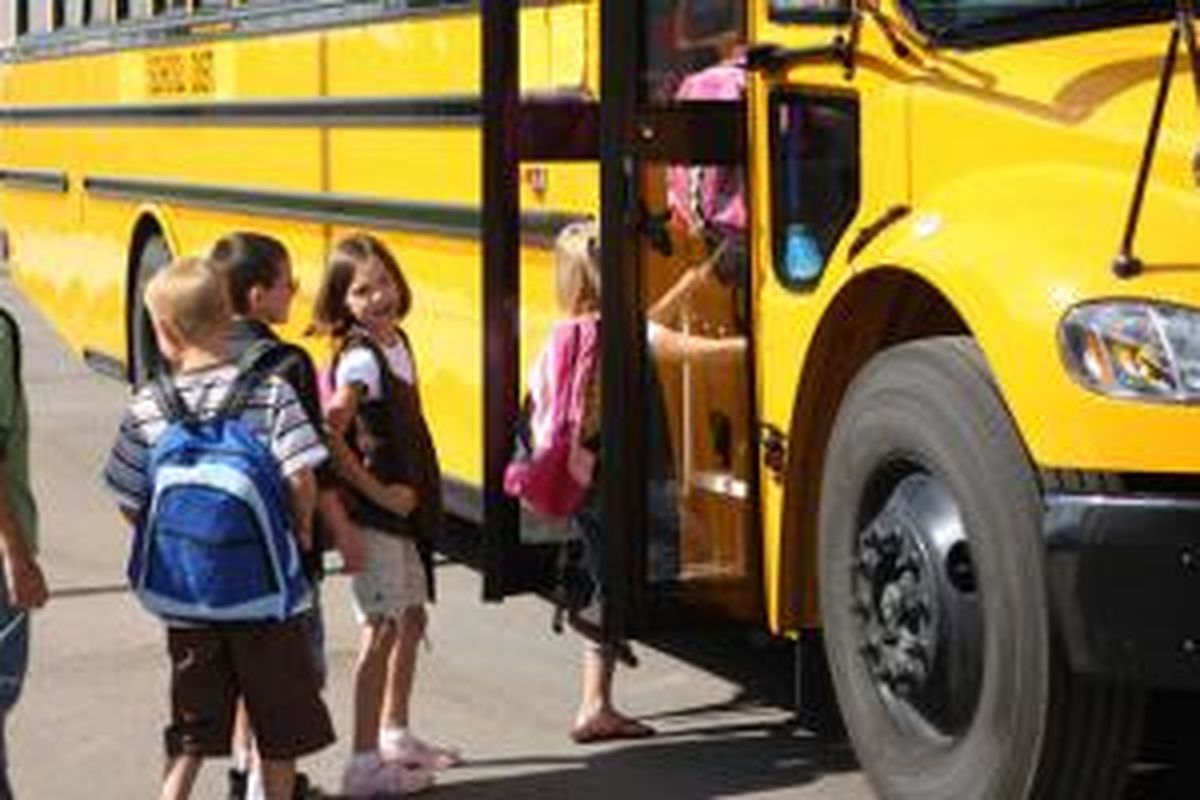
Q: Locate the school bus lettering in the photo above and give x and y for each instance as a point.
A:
(176, 74)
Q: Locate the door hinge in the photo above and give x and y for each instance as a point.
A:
(773, 445)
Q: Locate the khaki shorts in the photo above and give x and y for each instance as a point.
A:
(270, 665)
(393, 579)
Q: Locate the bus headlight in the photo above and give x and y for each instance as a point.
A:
(1135, 350)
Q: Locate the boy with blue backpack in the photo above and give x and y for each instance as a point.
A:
(258, 274)
(214, 467)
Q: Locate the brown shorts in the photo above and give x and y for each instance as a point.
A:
(270, 665)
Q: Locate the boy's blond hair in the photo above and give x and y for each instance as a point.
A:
(577, 267)
(190, 295)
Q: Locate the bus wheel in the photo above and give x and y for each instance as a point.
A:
(934, 599)
(152, 257)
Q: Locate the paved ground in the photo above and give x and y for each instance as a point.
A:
(495, 682)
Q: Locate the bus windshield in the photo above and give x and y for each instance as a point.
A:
(988, 21)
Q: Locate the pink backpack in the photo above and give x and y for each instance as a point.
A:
(710, 195)
(553, 472)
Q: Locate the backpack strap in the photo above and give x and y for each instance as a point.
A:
(258, 362)
(14, 333)
(169, 401)
(360, 338)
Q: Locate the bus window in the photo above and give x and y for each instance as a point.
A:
(809, 10)
(77, 13)
(99, 12)
(814, 181)
(686, 36)
(38, 16)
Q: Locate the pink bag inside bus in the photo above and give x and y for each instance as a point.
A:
(710, 195)
(552, 469)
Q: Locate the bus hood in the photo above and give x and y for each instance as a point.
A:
(1058, 126)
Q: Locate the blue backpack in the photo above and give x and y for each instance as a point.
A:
(216, 543)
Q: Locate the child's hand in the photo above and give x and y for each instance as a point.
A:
(398, 498)
(27, 585)
(304, 536)
(353, 550)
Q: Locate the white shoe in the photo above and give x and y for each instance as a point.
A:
(402, 746)
(367, 775)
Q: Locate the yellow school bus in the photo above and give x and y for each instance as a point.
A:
(963, 444)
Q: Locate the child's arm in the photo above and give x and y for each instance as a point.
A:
(303, 489)
(666, 307)
(347, 538)
(125, 470)
(671, 345)
(396, 497)
(27, 585)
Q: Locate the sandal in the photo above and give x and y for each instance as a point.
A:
(609, 729)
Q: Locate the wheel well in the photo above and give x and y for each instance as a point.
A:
(147, 226)
(878, 310)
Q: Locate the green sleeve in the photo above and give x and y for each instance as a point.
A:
(8, 389)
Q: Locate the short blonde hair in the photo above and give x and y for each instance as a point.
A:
(191, 295)
(577, 267)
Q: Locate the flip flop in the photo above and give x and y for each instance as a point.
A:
(610, 729)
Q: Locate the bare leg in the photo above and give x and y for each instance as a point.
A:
(402, 667)
(279, 778)
(243, 739)
(178, 777)
(370, 674)
(595, 698)
(598, 718)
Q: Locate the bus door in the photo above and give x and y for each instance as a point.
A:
(700, 549)
(678, 470)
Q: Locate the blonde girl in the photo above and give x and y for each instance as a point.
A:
(578, 283)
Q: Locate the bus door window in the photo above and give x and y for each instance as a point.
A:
(814, 181)
(684, 37)
(695, 279)
(696, 391)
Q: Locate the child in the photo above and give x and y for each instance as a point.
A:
(577, 275)
(267, 663)
(258, 274)
(383, 450)
(23, 587)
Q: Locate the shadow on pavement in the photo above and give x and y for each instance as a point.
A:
(722, 761)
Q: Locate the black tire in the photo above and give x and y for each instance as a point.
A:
(153, 256)
(950, 678)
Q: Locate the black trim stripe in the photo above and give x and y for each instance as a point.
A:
(440, 111)
(41, 179)
(443, 219)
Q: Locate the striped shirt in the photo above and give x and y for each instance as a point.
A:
(273, 414)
